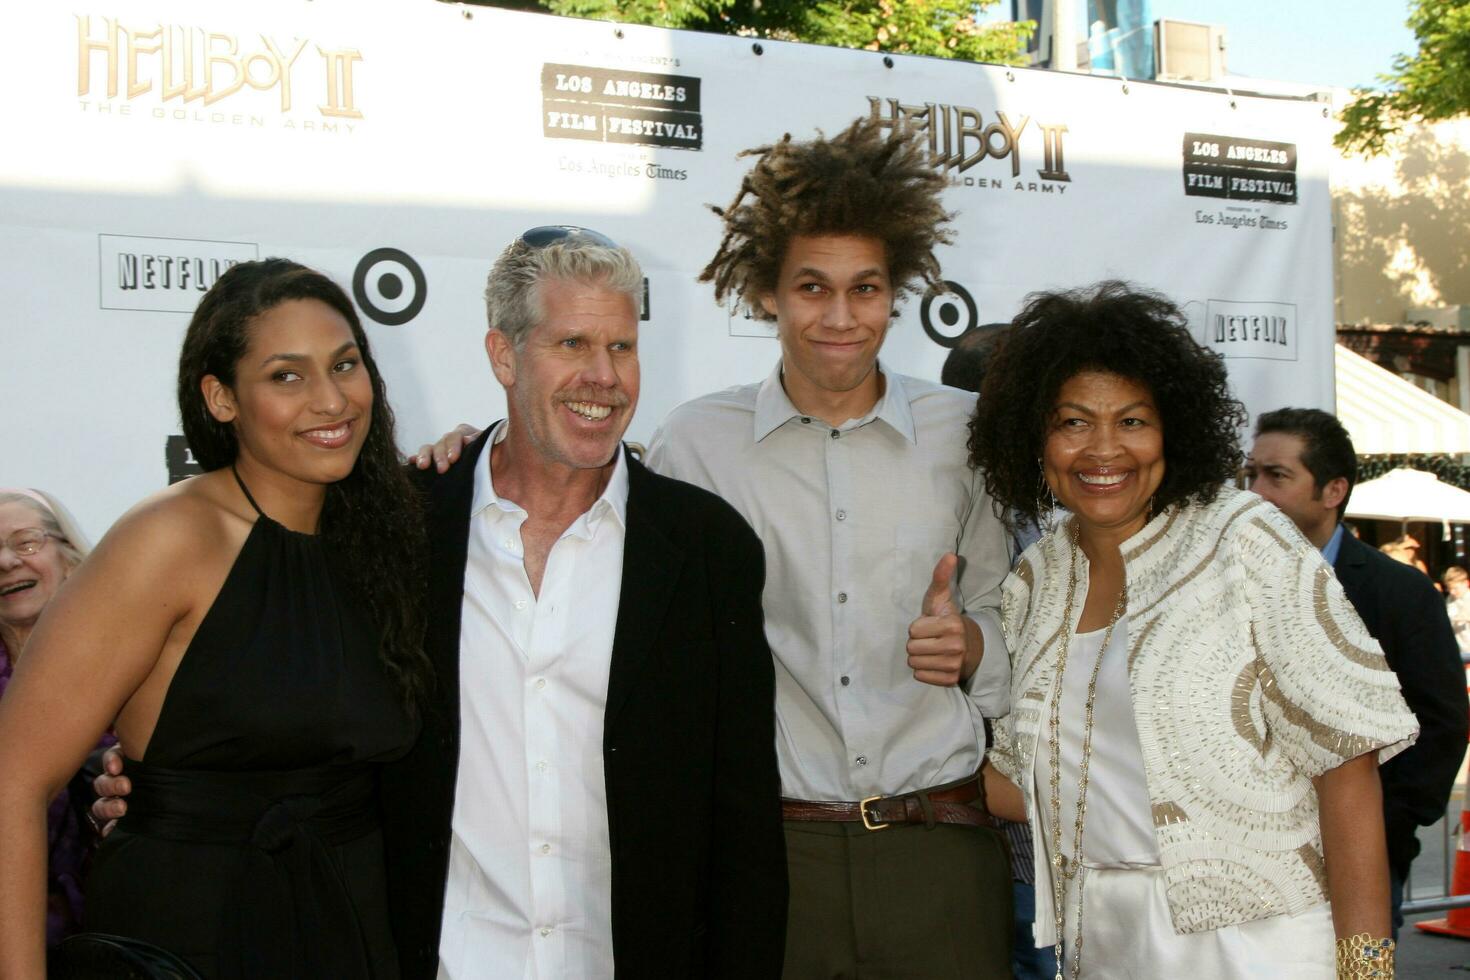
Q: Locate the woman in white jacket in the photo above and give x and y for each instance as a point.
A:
(1197, 712)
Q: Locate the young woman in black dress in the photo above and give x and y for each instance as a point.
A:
(256, 634)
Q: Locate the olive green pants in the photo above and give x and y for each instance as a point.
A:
(908, 902)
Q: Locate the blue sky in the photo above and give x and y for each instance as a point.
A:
(1325, 42)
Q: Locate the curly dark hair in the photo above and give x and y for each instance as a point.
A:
(372, 520)
(862, 181)
(1119, 328)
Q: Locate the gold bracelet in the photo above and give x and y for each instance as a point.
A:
(1362, 956)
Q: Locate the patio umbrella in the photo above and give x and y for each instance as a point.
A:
(1409, 495)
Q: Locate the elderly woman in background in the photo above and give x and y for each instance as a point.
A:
(1197, 712)
(40, 544)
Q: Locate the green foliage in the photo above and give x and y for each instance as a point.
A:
(940, 28)
(696, 14)
(1431, 85)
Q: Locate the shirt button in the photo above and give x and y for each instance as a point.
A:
(545, 931)
(506, 544)
(805, 420)
(861, 760)
(846, 680)
(520, 603)
(842, 597)
(836, 434)
(842, 515)
(545, 848)
(540, 683)
(541, 766)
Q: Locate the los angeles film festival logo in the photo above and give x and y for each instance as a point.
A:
(961, 137)
(1237, 169)
(621, 108)
(179, 459)
(190, 74)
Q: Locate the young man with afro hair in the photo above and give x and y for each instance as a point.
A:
(884, 560)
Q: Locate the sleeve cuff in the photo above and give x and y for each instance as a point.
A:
(990, 686)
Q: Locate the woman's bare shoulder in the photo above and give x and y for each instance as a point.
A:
(189, 522)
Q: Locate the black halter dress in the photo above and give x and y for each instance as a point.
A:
(251, 846)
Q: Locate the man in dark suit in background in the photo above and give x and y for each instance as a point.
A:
(1303, 462)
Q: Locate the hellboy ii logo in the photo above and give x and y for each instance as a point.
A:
(192, 74)
(960, 138)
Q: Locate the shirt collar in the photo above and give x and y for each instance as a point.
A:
(614, 498)
(773, 407)
(1333, 546)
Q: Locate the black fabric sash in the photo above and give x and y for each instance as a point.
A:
(290, 913)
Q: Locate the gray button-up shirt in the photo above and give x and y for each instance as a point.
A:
(853, 520)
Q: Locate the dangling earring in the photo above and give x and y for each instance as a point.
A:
(1046, 501)
(1150, 515)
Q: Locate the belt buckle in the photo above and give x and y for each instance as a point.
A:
(869, 822)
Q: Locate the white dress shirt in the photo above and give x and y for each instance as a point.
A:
(529, 893)
(853, 520)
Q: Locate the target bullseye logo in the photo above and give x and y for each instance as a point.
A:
(948, 316)
(389, 286)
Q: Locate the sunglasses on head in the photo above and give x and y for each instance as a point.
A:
(544, 235)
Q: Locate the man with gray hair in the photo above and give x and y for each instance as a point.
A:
(599, 785)
(594, 786)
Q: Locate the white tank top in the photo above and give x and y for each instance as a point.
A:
(1119, 823)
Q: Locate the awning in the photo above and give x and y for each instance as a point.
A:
(1386, 414)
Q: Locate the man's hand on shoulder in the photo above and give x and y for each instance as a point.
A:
(442, 454)
(111, 786)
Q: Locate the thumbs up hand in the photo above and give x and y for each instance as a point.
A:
(939, 598)
(944, 646)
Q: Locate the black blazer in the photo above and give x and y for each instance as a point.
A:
(693, 794)
(1406, 615)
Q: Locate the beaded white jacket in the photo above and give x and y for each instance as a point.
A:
(1250, 674)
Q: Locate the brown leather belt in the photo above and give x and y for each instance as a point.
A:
(961, 803)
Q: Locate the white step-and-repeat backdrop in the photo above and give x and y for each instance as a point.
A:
(399, 146)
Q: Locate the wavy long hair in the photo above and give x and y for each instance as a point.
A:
(372, 520)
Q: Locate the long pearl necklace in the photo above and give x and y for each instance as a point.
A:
(1064, 871)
